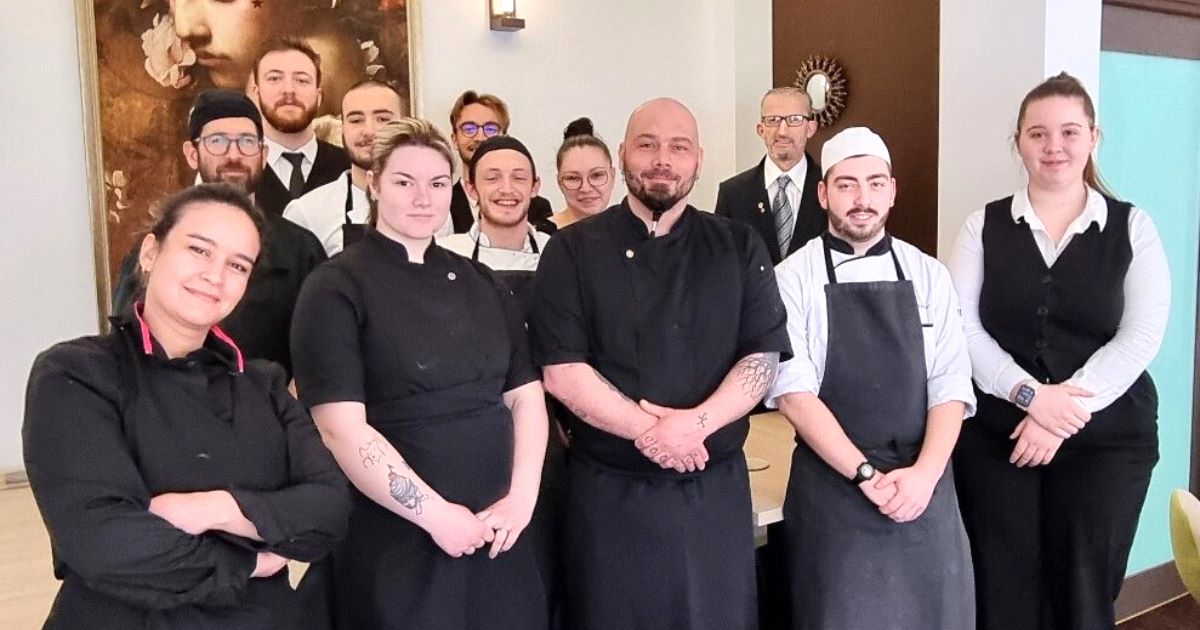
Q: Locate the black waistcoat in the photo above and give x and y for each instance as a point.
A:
(1052, 319)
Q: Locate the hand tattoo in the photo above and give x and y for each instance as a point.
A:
(372, 453)
(405, 491)
(756, 373)
(702, 421)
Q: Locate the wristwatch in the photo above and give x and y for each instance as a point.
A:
(864, 472)
(1024, 396)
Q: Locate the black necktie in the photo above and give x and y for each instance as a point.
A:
(296, 183)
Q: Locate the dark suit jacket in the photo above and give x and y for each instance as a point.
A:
(743, 197)
(272, 194)
(460, 209)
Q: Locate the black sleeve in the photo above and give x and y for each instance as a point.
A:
(313, 252)
(327, 357)
(521, 370)
(125, 289)
(305, 518)
(95, 503)
(764, 318)
(557, 320)
(722, 208)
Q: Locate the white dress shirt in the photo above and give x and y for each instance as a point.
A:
(497, 258)
(798, 174)
(1116, 365)
(282, 167)
(802, 279)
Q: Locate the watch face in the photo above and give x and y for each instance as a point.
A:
(866, 471)
(1025, 395)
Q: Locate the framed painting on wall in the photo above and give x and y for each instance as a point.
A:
(142, 63)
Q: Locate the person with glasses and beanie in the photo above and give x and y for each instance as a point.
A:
(474, 118)
(1065, 295)
(778, 197)
(225, 145)
(585, 175)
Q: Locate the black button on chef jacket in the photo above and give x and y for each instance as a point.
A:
(663, 319)
(111, 422)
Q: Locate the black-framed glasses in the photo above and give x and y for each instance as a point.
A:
(469, 129)
(793, 120)
(596, 179)
(219, 143)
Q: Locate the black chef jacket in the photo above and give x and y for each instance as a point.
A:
(663, 319)
(110, 422)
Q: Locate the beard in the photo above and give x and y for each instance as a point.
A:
(285, 123)
(858, 234)
(658, 197)
(237, 174)
(360, 156)
(501, 218)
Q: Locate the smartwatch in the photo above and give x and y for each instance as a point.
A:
(1024, 396)
(864, 472)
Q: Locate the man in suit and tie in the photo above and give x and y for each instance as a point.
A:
(778, 197)
(287, 85)
(474, 118)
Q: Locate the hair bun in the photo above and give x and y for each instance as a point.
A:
(579, 127)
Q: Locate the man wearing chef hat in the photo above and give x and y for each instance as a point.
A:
(877, 392)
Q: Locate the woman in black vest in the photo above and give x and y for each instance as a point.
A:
(1065, 295)
(175, 478)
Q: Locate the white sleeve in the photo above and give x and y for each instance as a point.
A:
(950, 369)
(1117, 364)
(798, 374)
(994, 370)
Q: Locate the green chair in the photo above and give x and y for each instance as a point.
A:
(1185, 538)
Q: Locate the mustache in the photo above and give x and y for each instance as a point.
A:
(660, 173)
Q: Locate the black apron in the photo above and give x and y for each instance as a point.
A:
(851, 566)
(519, 281)
(351, 232)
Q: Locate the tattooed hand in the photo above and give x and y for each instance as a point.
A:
(677, 439)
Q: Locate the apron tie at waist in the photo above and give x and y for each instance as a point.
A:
(431, 407)
(658, 473)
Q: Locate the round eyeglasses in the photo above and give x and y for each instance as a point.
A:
(469, 129)
(219, 143)
(595, 179)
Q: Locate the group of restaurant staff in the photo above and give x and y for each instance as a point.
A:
(974, 444)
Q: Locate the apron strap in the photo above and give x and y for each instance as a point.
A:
(349, 199)
(829, 268)
(475, 252)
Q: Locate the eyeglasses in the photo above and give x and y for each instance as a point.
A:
(219, 143)
(793, 120)
(596, 179)
(469, 129)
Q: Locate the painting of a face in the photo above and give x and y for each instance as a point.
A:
(225, 34)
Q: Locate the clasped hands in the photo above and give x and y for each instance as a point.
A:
(674, 438)
(1052, 417)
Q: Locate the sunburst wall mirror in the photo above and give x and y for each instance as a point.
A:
(824, 80)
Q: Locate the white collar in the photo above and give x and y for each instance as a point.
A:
(771, 171)
(477, 235)
(1095, 210)
(275, 150)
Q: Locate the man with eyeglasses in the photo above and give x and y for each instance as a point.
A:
(286, 81)
(778, 197)
(474, 118)
(225, 145)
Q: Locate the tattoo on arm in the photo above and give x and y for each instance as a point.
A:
(404, 491)
(372, 453)
(756, 373)
(611, 387)
(702, 421)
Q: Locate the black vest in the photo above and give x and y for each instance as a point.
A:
(1052, 319)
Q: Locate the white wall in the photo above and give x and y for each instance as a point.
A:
(47, 275)
(601, 59)
(992, 53)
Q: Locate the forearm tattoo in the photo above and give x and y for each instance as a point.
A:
(756, 373)
(372, 453)
(611, 387)
(702, 421)
(405, 490)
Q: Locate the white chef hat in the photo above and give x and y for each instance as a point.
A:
(852, 142)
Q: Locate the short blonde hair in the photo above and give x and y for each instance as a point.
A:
(405, 132)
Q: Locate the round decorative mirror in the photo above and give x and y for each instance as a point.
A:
(823, 80)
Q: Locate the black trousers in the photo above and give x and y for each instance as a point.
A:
(1051, 543)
